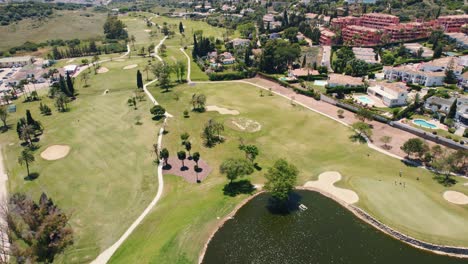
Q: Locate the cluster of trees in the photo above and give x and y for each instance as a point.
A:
(79, 50)
(28, 128)
(201, 46)
(211, 133)
(13, 12)
(63, 91)
(444, 162)
(198, 102)
(162, 71)
(346, 62)
(114, 28)
(277, 55)
(38, 230)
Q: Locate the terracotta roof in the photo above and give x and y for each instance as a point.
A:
(341, 79)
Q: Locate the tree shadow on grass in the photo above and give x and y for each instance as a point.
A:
(31, 176)
(445, 181)
(257, 167)
(167, 167)
(238, 187)
(357, 138)
(284, 207)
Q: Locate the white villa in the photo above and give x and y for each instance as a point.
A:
(391, 94)
(431, 73)
(16, 61)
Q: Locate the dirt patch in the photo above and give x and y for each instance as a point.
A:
(55, 152)
(243, 124)
(128, 67)
(221, 110)
(102, 70)
(71, 60)
(119, 60)
(455, 197)
(325, 183)
(187, 172)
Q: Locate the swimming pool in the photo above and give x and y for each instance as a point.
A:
(364, 99)
(320, 82)
(424, 123)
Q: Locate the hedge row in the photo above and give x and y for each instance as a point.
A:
(224, 76)
(346, 90)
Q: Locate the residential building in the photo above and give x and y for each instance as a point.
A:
(361, 36)
(440, 65)
(460, 38)
(366, 54)
(71, 69)
(342, 22)
(408, 31)
(410, 74)
(16, 61)
(461, 115)
(464, 81)
(414, 48)
(438, 104)
(327, 37)
(344, 80)
(378, 20)
(302, 72)
(391, 94)
(238, 42)
(453, 23)
(227, 58)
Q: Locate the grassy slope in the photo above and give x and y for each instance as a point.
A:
(63, 25)
(177, 229)
(108, 178)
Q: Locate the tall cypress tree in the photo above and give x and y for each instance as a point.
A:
(181, 27)
(139, 80)
(453, 110)
(70, 85)
(195, 47)
(63, 86)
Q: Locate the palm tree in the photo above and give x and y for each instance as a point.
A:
(26, 132)
(132, 39)
(26, 157)
(182, 156)
(196, 157)
(146, 69)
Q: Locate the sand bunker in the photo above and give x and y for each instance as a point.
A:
(456, 197)
(325, 184)
(128, 67)
(119, 60)
(147, 30)
(102, 70)
(244, 124)
(55, 152)
(221, 110)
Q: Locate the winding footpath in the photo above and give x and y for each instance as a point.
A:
(105, 256)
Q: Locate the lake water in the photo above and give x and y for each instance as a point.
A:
(324, 233)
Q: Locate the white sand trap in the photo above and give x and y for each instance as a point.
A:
(102, 70)
(466, 184)
(325, 183)
(456, 197)
(105, 92)
(221, 110)
(244, 124)
(147, 30)
(55, 152)
(128, 67)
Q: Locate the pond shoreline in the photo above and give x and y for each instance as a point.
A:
(452, 251)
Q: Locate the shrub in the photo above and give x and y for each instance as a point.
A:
(158, 111)
(223, 76)
(451, 130)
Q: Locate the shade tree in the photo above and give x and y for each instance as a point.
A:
(235, 168)
(281, 180)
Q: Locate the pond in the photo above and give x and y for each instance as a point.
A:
(324, 233)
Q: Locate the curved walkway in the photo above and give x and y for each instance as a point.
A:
(105, 256)
(83, 68)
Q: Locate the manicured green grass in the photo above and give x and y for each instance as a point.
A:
(179, 226)
(63, 25)
(197, 74)
(109, 177)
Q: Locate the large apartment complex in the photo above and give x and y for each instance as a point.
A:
(375, 28)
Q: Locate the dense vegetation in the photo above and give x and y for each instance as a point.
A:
(17, 11)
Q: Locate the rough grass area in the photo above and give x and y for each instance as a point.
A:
(108, 177)
(63, 25)
(179, 226)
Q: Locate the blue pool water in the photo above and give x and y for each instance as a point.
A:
(424, 123)
(364, 99)
(320, 82)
